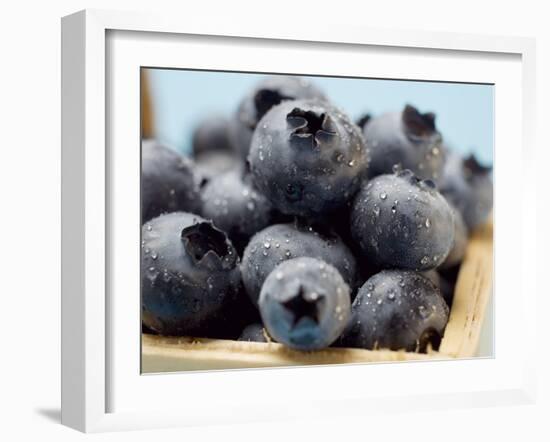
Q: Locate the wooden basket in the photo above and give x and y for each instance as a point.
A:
(461, 339)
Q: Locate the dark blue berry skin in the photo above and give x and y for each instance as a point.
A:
(235, 207)
(281, 242)
(405, 140)
(447, 283)
(253, 333)
(268, 93)
(305, 304)
(211, 164)
(468, 186)
(168, 182)
(189, 276)
(340, 223)
(212, 150)
(460, 242)
(307, 157)
(446, 287)
(397, 310)
(400, 221)
(363, 120)
(211, 135)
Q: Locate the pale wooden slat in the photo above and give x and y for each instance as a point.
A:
(165, 354)
(147, 125)
(472, 293)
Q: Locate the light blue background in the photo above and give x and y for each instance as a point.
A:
(464, 111)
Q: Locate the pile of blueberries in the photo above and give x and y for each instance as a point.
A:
(294, 224)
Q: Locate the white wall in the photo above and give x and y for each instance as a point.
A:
(30, 221)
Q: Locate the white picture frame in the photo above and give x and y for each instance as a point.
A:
(93, 366)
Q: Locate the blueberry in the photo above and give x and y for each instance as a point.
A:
(445, 286)
(268, 93)
(405, 140)
(460, 241)
(235, 207)
(168, 182)
(305, 304)
(307, 157)
(469, 187)
(209, 165)
(363, 120)
(340, 223)
(211, 135)
(189, 275)
(281, 242)
(253, 333)
(448, 278)
(401, 221)
(397, 309)
(433, 276)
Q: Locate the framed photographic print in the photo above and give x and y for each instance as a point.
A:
(305, 213)
(252, 213)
